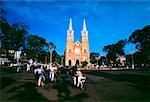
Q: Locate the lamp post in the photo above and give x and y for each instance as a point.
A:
(50, 51)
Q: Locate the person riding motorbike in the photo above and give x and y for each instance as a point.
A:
(53, 72)
(39, 75)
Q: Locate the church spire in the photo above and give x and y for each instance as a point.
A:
(84, 30)
(70, 30)
(84, 25)
(70, 25)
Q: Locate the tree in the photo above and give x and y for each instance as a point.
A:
(103, 60)
(141, 39)
(114, 50)
(56, 57)
(13, 36)
(111, 53)
(84, 63)
(93, 57)
(36, 48)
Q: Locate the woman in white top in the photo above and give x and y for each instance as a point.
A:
(79, 76)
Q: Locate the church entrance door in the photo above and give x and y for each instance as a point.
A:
(77, 62)
(69, 62)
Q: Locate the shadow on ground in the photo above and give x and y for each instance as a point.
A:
(24, 89)
(64, 93)
(6, 81)
(26, 92)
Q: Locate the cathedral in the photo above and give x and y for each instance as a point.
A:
(77, 52)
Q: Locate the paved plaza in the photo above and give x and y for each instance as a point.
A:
(102, 86)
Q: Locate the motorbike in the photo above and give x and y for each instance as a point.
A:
(41, 80)
(82, 83)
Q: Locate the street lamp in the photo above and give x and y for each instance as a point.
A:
(50, 56)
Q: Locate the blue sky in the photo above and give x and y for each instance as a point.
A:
(107, 20)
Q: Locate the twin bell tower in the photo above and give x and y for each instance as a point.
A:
(77, 52)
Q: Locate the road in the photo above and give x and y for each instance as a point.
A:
(101, 87)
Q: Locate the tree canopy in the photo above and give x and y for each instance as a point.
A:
(115, 50)
(35, 48)
(93, 57)
(141, 39)
(13, 36)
